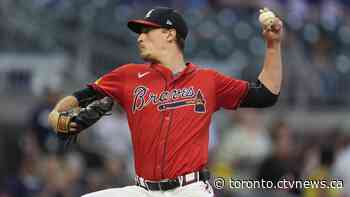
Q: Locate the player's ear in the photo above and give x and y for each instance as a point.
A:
(171, 36)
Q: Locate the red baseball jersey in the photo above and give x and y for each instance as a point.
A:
(169, 116)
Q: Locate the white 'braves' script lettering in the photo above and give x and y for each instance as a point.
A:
(143, 97)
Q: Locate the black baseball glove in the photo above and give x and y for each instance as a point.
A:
(84, 118)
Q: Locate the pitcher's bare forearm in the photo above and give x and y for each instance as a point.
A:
(271, 74)
(65, 104)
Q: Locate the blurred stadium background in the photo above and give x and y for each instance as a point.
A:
(49, 48)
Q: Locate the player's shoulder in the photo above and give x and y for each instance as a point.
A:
(212, 72)
(125, 70)
(205, 70)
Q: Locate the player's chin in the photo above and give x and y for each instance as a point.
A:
(147, 57)
(143, 55)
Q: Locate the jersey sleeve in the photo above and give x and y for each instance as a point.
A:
(110, 84)
(229, 91)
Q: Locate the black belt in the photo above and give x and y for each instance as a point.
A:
(168, 184)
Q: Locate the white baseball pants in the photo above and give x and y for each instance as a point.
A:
(197, 189)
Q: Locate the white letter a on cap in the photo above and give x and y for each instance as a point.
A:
(169, 22)
(149, 13)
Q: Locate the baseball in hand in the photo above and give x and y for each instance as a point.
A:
(266, 17)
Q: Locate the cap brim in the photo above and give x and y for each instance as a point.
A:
(136, 25)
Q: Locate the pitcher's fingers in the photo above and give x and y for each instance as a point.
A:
(277, 26)
(73, 125)
(73, 129)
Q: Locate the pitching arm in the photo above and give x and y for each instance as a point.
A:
(271, 74)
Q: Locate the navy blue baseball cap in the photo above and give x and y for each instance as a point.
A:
(161, 17)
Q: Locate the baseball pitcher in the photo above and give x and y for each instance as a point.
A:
(169, 104)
